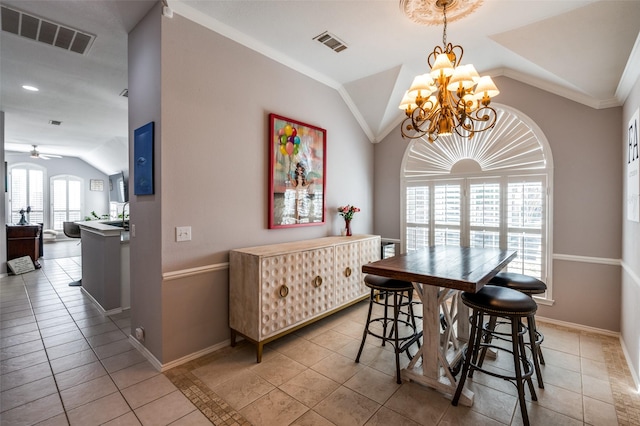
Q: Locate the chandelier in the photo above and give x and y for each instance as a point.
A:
(451, 98)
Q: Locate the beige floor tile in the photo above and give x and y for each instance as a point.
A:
(69, 362)
(135, 374)
(275, 408)
(591, 347)
(18, 339)
(598, 413)
(561, 377)
(81, 374)
(59, 329)
(386, 417)
(493, 403)
(59, 420)
(34, 412)
(104, 338)
(28, 392)
(373, 384)
(597, 389)
(305, 352)
(24, 376)
(21, 349)
(87, 392)
(561, 359)
(114, 348)
(346, 407)
(351, 328)
(594, 369)
(245, 388)
(337, 367)
(278, 369)
(419, 403)
(385, 361)
(311, 418)
(563, 341)
(332, 340)
(541, 416)
(165, 410)
(560, 400)
(225, 367)
(194, 418)
(128, 419)
(123, 360)
(99, 411)
(465, 416)
(148, 390)
(309, 387)
(67, 349)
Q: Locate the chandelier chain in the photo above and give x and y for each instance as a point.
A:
(444, 31)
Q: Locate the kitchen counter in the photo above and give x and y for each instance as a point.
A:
(105, 264)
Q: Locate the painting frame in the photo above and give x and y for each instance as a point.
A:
(297, 173)
(143, 159)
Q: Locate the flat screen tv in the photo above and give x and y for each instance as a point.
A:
(118, 188)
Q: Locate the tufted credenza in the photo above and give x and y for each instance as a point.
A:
(279, 288)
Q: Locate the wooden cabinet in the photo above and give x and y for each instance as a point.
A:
(276, 289)
(24, 240)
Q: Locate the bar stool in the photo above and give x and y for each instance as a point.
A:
(385, 287)
(529, 286)
(513, 306)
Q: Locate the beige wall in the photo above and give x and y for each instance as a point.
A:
(587, 199)
(630, 314)
(145, 254)
(212, 156)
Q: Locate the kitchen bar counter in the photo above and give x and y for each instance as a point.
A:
(105, 264)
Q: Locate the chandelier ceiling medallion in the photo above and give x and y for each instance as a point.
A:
(451, 97)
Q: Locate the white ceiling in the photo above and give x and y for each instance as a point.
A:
(585, 50)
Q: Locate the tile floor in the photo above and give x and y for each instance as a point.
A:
(63, 362)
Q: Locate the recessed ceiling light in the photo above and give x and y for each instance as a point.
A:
(30, 88)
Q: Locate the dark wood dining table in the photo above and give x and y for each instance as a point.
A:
(438, 275)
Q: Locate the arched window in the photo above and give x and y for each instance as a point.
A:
(27, 190)
(66, 200)
(494, 190)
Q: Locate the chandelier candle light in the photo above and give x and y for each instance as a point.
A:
(451, 98)
(347, 213)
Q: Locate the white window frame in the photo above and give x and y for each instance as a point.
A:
(11, 208)
(52, 211)
(413, 175)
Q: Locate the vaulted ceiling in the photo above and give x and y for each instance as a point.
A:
(585, 50)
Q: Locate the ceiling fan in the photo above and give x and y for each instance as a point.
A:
(34, 153)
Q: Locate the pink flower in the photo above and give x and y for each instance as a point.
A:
(348, 211)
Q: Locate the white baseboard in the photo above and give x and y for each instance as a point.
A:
(634, 373)
(578, 326)
(627, 357)
(164, 367)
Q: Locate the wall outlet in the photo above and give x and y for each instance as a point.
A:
(183, 233)
(140, 334)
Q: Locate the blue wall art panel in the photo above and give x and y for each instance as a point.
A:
(143, 160)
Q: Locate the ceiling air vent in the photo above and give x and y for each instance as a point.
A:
(48, 32)
(331, 41)
(55, 122)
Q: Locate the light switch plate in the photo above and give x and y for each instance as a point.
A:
(183, 233)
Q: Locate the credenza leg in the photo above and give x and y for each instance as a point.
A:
(233, 337)
(259, 352)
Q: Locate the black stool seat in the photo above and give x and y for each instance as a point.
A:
(523, 283)
(389, 287)
(500, 301)
(387, 284)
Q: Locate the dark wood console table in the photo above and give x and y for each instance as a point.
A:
(24, 240)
